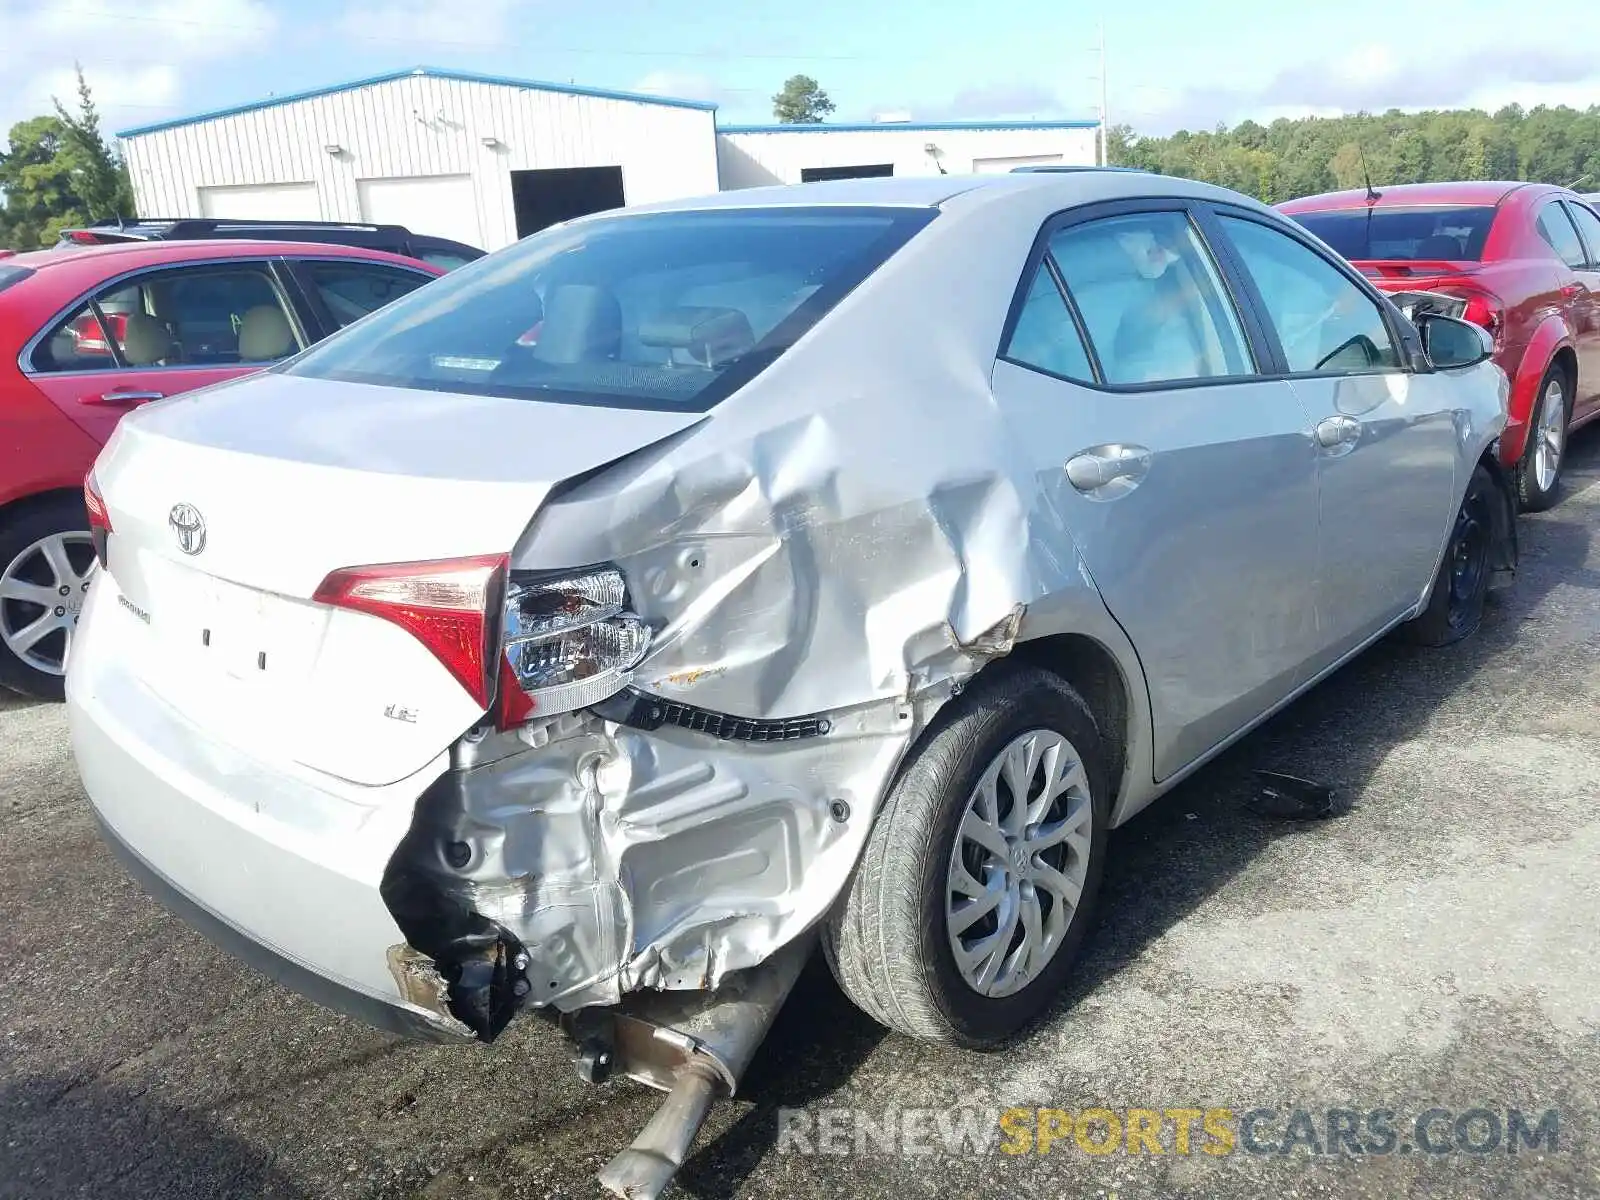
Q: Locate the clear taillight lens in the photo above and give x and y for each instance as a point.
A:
(568, 643)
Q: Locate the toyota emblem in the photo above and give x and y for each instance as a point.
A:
(185, 521)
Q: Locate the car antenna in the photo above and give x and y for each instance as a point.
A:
(1373, 194)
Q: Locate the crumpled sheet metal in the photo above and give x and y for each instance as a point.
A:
(851, 535)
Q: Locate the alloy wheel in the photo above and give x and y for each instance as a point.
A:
(1550, 435)
(1019, 864)
(42, 591)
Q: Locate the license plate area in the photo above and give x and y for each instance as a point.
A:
(215, 627)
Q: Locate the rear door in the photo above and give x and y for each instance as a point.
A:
(159, 333)
(1588, 333)
(1385, 438)
(1186, 480)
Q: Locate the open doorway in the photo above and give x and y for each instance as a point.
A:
(542, 198)
(865, 171)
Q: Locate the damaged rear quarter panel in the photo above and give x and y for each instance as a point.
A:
(851, 535)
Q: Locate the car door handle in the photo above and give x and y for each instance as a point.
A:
(1334, 432)
(114, 398)
(1100, 466)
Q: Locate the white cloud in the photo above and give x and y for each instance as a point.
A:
(135, 57)
(425, 23)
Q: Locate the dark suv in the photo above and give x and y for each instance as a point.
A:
(395, 239)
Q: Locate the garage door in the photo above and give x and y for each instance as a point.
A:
(999, 166)
(262, 202)
(437, 205)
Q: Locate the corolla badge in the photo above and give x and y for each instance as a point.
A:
(190, 527)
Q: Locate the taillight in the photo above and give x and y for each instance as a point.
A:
(99, 517)
(452, 606)
(569, 643)
(1481, 309)
(83, 237)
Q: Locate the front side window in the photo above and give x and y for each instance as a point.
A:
(351, 290)
(644, 310)
(1555, 227)
(1044, 335)
(1325, 323)
(1151, 299)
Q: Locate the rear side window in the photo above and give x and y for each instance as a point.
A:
(1428, 233)
(12, 275)
(1151, 299)
(186, 316)
(654, 310)
(1556, 228)
(351, 290)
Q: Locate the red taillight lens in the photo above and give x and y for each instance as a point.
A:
(452, 606)
(99, 517)
(83, 237)
(1481, 308)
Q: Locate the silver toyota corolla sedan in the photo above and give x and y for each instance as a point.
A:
(599, 627)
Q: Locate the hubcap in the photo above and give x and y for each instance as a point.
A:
(41, 594)
(1550, 435)
(1019, 863)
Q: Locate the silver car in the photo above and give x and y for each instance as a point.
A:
(598, 626)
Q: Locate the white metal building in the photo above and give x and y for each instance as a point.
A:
(485, 160)
(753, 155)
(476, 158)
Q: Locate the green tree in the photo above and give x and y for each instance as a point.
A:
(56, 172)
(801, 102)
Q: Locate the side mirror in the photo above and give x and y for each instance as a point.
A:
(1451, 343)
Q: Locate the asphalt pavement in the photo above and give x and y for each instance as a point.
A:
(1400, 1001)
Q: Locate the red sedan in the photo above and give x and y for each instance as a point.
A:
(1520, 259)
(87, 334)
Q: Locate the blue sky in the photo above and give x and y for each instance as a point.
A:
(1172, 64)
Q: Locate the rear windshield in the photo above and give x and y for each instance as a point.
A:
(10, 275)
(655, 310)
(1451, 233)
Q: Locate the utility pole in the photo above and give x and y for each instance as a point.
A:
(1105, 115)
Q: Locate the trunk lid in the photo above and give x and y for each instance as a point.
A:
(294, 478)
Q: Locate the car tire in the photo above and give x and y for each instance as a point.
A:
(44, 547)
(1543, 456)
(889, 939)
(1461, 586)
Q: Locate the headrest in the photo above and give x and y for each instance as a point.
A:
(582, 323)
(710, 335)
(264, 334)
(1440, 245)
(145, 340)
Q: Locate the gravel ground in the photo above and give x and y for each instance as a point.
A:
(1433, 946)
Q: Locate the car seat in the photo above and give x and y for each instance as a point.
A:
(264, 334)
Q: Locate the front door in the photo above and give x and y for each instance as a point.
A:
(159, 333)
(1385, 438)
(1186, 481)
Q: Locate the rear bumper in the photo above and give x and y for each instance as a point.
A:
(393, 1017)
(272, 865)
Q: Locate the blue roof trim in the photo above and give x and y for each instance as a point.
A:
(912, 126)
(409, 73)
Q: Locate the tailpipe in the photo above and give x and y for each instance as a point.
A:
(695, 1046)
